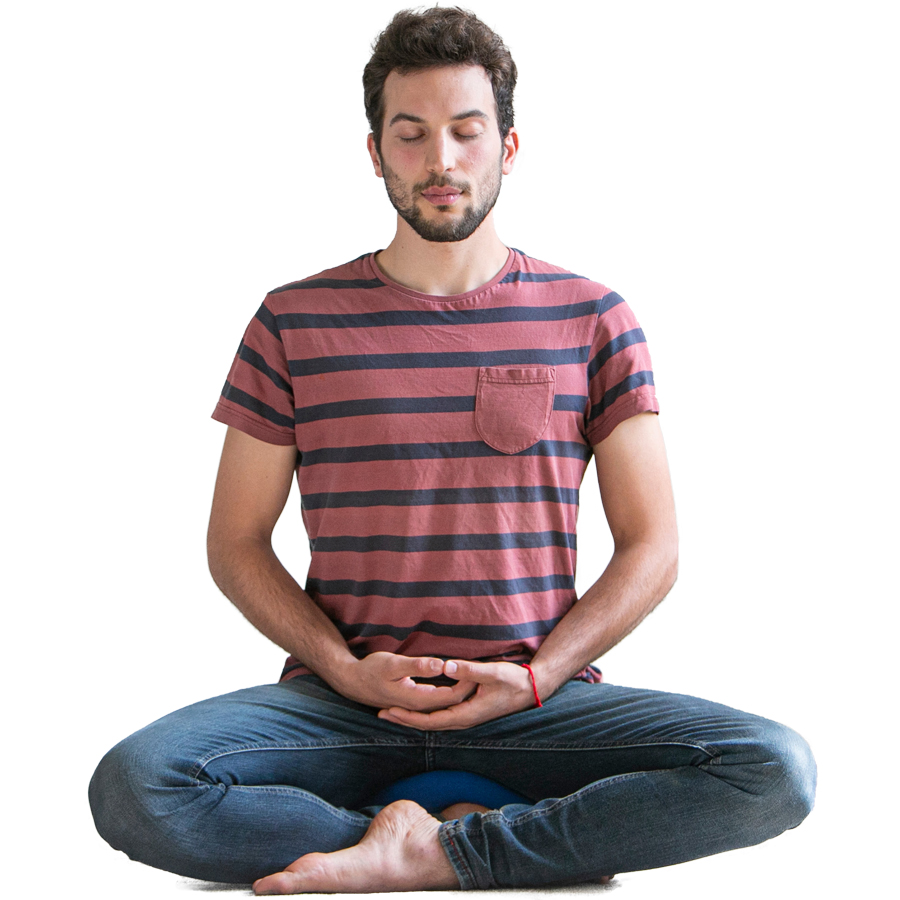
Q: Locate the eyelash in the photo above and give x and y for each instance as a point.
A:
(462, 137)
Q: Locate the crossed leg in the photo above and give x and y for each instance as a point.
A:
(401, 851)
(235, 788)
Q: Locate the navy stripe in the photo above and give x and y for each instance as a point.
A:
(636, 380)
(252, 358)
(449, 317)
(403, 590)
(617, 344)
(381, 406)
(429, 543)
(518, 275)
(267, 318)
(609, 301)
(323, 364)
(441, 497)
(439, 450)
(335, 283)
(249, 402)
(570, 402)
(519, 632)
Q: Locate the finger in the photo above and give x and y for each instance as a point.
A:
(416, 666)
(427, 697)
(465, 670)
(473, 711)
(462, 690)
(440, 720)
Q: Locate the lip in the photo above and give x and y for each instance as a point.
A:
(442, 196)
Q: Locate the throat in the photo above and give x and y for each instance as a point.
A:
(442, 269)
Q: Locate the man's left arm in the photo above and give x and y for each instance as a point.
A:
(637, 498)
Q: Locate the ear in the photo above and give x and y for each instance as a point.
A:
(373, 153)
(510, 149)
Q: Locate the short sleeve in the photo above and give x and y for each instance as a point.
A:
(258, 398)
(620, 375)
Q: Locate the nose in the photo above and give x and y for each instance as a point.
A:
(440, 156)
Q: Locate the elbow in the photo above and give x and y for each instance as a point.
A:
(233, 550)
(666, 552)
(216, 554)
(672, 571)
(222, 547)
(670, 563)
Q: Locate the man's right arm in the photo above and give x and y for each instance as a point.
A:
(252, 488)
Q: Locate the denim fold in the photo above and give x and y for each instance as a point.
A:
(618, 779)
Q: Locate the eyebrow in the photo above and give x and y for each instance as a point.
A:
(469, 114)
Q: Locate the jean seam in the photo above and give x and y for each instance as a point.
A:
(289, 791)
(535, 813)
(467, 880)
(204, 761)
(710, 751)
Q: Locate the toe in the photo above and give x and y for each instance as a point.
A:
(279, 883)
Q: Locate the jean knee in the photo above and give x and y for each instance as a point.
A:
(792, 775)
(124, 793)
(111, 797)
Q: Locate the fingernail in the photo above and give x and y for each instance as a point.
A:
(450, 667)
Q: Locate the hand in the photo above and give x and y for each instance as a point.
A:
(385, 679)
(502, 688)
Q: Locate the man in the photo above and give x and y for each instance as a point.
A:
(439, 401)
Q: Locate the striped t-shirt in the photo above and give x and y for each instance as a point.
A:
(442, 442)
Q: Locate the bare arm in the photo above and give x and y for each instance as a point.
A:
(637, 497)
(252, 487)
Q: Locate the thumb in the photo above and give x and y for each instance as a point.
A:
(422, 666)
(464, 670)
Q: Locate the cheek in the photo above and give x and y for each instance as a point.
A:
(481, 158)
(406, 158)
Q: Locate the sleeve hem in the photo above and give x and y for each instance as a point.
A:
(253, 428)
(626, 408)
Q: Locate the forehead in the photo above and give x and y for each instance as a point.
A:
(438, 93)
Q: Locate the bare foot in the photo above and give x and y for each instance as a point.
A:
(458, 810)
(400, 852)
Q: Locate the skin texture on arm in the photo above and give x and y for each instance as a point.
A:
(637, 497)
(252, 487)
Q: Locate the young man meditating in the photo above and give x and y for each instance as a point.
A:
(438, 402)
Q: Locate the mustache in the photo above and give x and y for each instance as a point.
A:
(441, 182)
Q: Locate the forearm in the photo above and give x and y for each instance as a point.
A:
(251, 576)
(249, 573)
(637, 578)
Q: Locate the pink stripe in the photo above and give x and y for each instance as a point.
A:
(406, 613)
(442, 565)
(481, 471)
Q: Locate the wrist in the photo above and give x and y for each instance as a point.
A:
(544, 679)
(342, 676)
(534, 689)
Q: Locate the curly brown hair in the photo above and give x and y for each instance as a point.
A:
(442, 36)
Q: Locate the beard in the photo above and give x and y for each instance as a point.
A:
(456, 229)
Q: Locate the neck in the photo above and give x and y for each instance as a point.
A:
(443, 269)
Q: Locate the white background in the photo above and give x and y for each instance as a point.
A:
(731, 169)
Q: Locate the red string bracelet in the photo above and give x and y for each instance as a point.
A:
(537, 699)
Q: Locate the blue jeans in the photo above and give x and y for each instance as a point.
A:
(620, 779)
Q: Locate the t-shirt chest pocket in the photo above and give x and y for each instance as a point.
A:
(513, 405)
